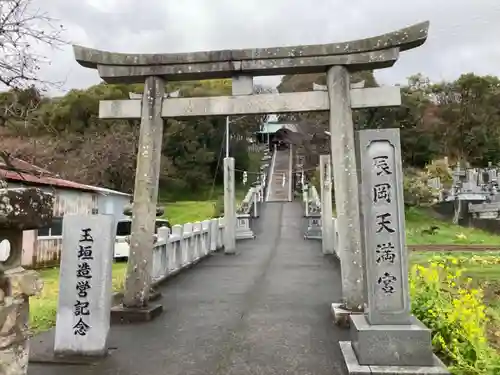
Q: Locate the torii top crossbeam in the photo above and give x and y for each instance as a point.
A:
(371, 53)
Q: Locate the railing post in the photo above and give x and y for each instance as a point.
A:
(214, 232)
(163, 234)
(197, 233)
(177, 232)
(205, 237)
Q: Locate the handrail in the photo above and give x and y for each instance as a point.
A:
(185, 246)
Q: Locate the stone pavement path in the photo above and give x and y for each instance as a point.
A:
(265, 310)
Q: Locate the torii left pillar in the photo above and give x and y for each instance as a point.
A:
(240, 85)
(138, 282)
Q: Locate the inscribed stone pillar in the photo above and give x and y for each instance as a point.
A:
(386, 259)
(326, 204)
(229, 207)
(140, 259)
(83, 317)
(346, 187)
(387, 339)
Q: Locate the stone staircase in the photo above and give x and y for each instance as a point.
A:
(279, 188)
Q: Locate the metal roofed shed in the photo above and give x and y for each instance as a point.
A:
(269, 129)
(42, 247)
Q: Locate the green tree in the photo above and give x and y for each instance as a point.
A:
(469, 116)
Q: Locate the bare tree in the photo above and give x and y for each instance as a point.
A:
(23, 29)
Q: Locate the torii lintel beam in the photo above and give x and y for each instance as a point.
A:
(251, 104)
(371, 53)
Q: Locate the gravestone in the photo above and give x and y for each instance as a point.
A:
(386, 338)
(83, 314)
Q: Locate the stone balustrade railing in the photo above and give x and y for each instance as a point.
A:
(185, 246)
(312, 209)
(248, 209)
(312, 201)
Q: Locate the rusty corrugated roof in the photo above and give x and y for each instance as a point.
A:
(30, 174)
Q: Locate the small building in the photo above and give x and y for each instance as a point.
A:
(42, 247)
(269, 129)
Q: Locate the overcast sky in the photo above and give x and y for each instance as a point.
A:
(464, 35)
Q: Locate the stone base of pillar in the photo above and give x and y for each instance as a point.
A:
(43, 353)
(127, 315)
(154, 295)
(355, 368)
(390, 349)
(341, 315)
(247, 235)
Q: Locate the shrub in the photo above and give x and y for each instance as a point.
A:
(454, 311)
(439, 168)
(416, 190)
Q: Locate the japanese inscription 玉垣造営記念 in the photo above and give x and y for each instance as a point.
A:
(83, 284)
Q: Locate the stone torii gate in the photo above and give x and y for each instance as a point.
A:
(338, 60)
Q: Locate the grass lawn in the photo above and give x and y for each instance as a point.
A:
(190, 211)
(198, 206)
(43, 308)
(484, 270)
(418, 220)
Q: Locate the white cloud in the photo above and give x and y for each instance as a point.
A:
(462, 33)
